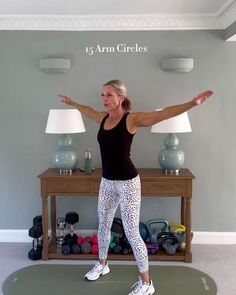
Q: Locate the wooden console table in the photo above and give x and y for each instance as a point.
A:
(154, 183)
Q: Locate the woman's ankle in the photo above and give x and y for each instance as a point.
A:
(145, 277)
(103, 261)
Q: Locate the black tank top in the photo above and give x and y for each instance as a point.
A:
(115, 147)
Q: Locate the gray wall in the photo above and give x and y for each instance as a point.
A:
(27, 94)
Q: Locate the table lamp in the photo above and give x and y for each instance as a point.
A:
(171, 159)
(65, 122)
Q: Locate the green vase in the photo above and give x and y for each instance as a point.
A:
(65, 159)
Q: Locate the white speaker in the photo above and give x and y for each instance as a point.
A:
(55, 65)
(179, 64)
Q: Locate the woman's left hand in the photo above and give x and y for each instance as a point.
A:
(200, 98)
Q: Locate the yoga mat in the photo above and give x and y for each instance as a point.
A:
(45, 279)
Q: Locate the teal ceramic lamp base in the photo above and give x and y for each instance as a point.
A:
(64, 158)
(171, 159)
(65, 122)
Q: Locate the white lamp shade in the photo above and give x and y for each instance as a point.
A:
(64, 121)
(177, 124)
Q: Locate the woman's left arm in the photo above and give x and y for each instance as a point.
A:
(146, 119)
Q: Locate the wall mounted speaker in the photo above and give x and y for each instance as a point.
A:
(179, 64)
(55, 65)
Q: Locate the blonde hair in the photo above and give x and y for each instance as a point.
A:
(121, 90)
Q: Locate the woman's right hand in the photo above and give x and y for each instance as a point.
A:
(200, 98)
(65, 99)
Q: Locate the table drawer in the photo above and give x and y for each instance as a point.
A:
(96, 186)
(163, 188)
(69, 186)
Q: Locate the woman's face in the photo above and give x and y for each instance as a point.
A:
(111, 100)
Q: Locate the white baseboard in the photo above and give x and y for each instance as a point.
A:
(219, 238)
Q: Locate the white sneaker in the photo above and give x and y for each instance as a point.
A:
(141, 288)
(97, 271)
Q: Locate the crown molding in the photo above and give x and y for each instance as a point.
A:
(106, 23)
(228, 17)
(221, 20)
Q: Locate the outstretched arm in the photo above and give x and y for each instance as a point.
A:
(146, 119)
(86, 110)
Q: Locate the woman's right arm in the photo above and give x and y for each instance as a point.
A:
(86, 110)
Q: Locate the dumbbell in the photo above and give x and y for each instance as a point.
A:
(71, 218)
(75, 249)
(114, 240)
(67, 249)
(126, 247)
(37, 220)
(70, 239)
(86, 248)
(36, 233)
(117, 249)
(85, 244)
(94, 248)
(115, 244)
(61, 224)
(118, 245)
(88, 244)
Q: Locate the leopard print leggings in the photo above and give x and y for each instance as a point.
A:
(127, 194)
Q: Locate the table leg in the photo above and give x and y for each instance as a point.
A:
(45, 227)
(188, 253)
(53, 219)
(183, 210)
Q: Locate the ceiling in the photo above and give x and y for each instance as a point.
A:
(116, 15)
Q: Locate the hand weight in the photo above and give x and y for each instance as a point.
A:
(170, 244)
(154, 229)
(180, 231)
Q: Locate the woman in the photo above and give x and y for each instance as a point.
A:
(120, 183)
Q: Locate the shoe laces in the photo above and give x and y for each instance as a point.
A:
(96, 267)
(137, 286)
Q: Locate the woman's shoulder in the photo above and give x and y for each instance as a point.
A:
(134, 115)
(130, 122)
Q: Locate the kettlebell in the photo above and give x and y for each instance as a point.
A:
(153, 230)
(176, 227)
(179, 231)
(170, 244)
